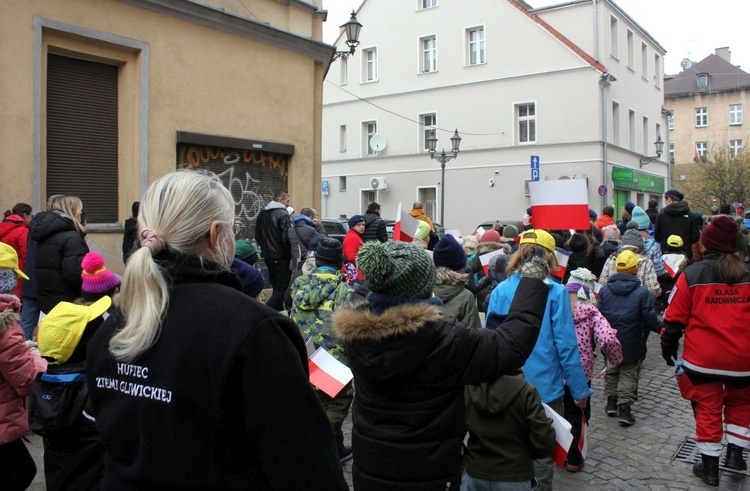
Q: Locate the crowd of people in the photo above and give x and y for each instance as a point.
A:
(181, 373)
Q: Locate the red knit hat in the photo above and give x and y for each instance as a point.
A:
(96, 277)
(720, 235)
(491, 236)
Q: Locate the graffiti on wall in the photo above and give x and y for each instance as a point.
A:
(252, 177)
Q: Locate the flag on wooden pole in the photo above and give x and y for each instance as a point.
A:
(560, 204)
(563, 436)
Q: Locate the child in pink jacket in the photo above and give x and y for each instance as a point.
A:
(590, 325)
(20, 363)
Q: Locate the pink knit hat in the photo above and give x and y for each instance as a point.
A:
(96, 277)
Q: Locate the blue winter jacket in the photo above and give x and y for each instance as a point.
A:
(629, 309)
(555, 355)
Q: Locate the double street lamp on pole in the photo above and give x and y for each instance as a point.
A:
(443, 159)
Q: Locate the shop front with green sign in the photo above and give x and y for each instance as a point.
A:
(625, 180)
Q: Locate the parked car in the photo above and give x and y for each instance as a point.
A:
(336, 228)
(390, 223)
(489, 224)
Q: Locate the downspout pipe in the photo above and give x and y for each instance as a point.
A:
(666, 114)
(606, 79)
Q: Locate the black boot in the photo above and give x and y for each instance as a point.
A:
(611, 408)
(707, 469)
(345, 453)
(624, 416)
(734, 459)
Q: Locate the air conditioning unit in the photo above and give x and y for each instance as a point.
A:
(378, 183)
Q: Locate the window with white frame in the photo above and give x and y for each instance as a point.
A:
(369, 64)
(644, 60)
(736, 147)
(369, 129)
(670, 121)
(735, 114)
(428, 123)
(344, 73)
(657, 70)
(701, 116)
(631, 50)
(615, 123)
(646, 143)
(631, 130)
(702, 80)
(701, 149)
(342, 138)
(426, 4)
(614, 39)
(475, 51)
(671, 153)
(428, 54)
(526, 117)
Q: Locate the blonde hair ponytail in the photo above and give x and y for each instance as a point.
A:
(180, 208)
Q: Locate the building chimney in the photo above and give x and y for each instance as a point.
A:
(724, 53)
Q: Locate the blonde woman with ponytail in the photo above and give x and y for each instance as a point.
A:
(61, 245)
(194, 384)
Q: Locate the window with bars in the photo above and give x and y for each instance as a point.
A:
(475, 47)
(428, 54)
(701, 117)
(526, 119)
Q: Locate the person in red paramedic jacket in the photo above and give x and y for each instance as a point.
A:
(710, 304)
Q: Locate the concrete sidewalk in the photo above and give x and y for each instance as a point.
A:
(620, 458)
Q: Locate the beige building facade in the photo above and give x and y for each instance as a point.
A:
(707, 101)
(100, 97)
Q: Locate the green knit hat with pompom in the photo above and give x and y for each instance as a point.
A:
(397, 268)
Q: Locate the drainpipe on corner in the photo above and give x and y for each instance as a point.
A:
(607, 79)
(666, 114)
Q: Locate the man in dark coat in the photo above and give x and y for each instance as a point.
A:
(374, 225)
(271, 234)
(411, 364)
(130, 240)
(677, 219)
(300, 234)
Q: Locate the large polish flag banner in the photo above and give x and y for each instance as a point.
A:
(485, 259)
(560, 204)
(405, 228)
(563, 436)
(327, 373)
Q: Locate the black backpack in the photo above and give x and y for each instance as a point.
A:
(57, 402)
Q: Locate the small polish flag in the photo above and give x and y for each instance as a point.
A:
(672, 263)
(485, 259)
(563, 436)
(405, 227)
(597, 288)
(560, 204)
(562, 260)
(327, 373)
(479, 233)
(583, 441)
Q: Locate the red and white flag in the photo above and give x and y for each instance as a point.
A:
(583, 441)
(485, 259)
(560, 204)
(405, 228)
(478, 233)
(563, 436)
(562, 261)
(672, 263)
(327, 373)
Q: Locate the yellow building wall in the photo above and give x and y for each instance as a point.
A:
(200, 80)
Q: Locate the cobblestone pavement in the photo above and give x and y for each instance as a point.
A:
(620, 458)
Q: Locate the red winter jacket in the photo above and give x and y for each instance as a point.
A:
(604, 221)
(352, 242)
(15, 232)
(714, 317)
(18, 370)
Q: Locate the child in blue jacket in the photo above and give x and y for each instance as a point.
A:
(629, 308)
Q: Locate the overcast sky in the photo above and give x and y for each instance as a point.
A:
(685, 28)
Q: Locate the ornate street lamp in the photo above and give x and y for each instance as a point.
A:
(351, 28)
(659, 144)
(443, 159)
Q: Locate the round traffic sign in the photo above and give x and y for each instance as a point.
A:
(602, 190)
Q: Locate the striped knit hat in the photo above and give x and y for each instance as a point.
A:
(96, 277)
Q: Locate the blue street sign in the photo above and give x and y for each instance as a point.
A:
(535, 161)
(324, 187)
(534, 174)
